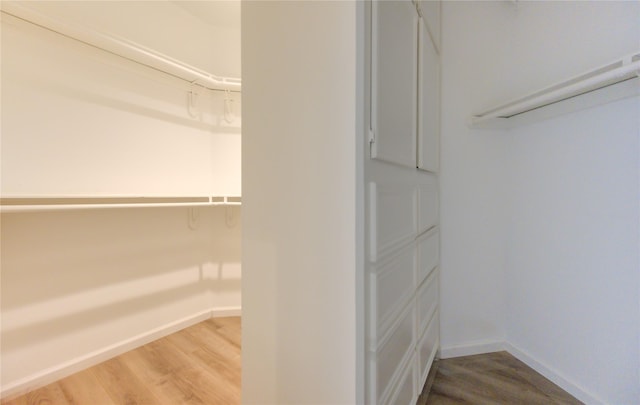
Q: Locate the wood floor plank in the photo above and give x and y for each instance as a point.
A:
(221, 360)
(212, 351)
(84, 388)
(156, 360)
(229, 329)
(492, 379)
(215, 388)
(21, 400)
(122, 385)
(231, 321)
(51, 394)
(209, 330)
(226, 370)
(198, 365)
(172, 391)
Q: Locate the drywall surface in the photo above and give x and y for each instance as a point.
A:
(95, 124)
(78, 282)
(299, 201)
(472, 179)
(573, 282)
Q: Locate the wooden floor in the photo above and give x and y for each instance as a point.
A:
(198, 365)
(201, 365)
(493, 378)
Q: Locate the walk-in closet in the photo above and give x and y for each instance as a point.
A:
(407, 202)
(121, 178)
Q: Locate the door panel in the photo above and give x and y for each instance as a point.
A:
(392, 287)
(428, 254)
(427, 301)
(427, 347)
(393, 217)
(428, 205)
(429, 104)
(394, 70)
(394, 353)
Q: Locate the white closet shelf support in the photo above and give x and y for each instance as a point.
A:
(123, 48)
(28, 204)
(618, 72)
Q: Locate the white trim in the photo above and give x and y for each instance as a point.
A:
(556, 377)
(226, 311)
(472, 348)
(495, 346)
(55, 373)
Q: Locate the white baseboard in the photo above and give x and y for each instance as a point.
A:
(226, 311)
(495, 346)
(471, 349)
(52, 374)
(557, 378)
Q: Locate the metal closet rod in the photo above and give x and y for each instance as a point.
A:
(27, 204)
(124, 48)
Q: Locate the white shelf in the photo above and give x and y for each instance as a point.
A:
(122, 47)
(29, 204)
(607, 83)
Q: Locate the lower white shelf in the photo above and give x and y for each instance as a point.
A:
(24, 204)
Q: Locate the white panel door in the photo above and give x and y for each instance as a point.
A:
(428, 203)
(428, 103)
(393, 356)
(401, 220)
(394, 80)
(392, 285)
(393, 217)
(427, 348)
(428, 254)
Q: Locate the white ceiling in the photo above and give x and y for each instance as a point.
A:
(222, 13)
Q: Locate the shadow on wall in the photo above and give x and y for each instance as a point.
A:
(79, 72)
(67, 271)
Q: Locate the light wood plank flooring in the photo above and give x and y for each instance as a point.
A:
(491, 379)
(201, 365)
(198, 365)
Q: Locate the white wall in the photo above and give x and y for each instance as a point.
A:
(75, 284)
(126, 126)
(299, 202)
(540, 224)
(203, 35)
(472, 179)
(573, 282)
(572, 278)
